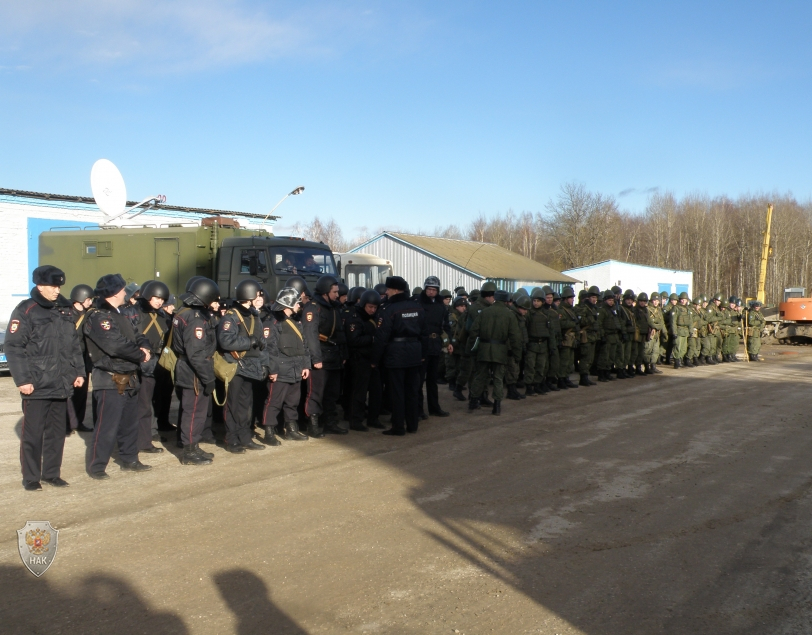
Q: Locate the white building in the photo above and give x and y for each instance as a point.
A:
(627, 275)
(25, 215)
(460, 263)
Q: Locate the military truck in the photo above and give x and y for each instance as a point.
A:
(217, 248)
(363, 270)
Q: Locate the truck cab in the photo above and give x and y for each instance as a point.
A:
(363, 270)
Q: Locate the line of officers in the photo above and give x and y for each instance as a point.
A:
(266, 367)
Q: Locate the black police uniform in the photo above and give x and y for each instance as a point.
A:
(437, 323)
(194, 342)
(321, 328)
(241, 331)
(400, 344)
(153, 324)
(115, 349)
(77, 404)
(360, 329)
(42, 348)
(288, 356)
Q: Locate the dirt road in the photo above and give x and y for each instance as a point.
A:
(671, 504)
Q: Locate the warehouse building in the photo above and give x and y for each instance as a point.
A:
(460, 263)
(627, 275)
(25, 215)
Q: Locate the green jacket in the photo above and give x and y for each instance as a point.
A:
(521, 320)
(680, 321)
(626, 315)
(588, 313)
(471, 314)
(498, 333)
(755, 323)
(641, 323)
(570, 330)
(538, 330)
(555, 324)
(609, 325)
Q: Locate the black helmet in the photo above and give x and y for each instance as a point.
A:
(523, 302)
(287, 298)
(732, 299)
(298, 283)
(757, 303)
(155, 289)
(547, 289)
(356, 293)
(642, 297)
(205, 290)
(324, 284)
(247, 290)
(380, 289)
(567, 292)
(191, 281)
(501, 295)
(369, 297)
(81, 292)
(343, 289)
(445, 293)
(628, 294)
(488, 288)
(432, 281)
(593, 290)
(459, 301)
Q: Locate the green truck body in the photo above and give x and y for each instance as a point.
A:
(173, 254)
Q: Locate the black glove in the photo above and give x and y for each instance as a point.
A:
(208, 388)
(254, 342)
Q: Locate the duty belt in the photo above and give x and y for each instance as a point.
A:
(484, 341)
(537, 340)
(404, 339)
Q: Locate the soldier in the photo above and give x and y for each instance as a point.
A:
(519, 307)
(694, 337)
(610, 329)
(587, 313)
(731, 341)
(366, 378)
(436, 316)
(714, 318)
(241, 335)
(668, 316)
(442, 371)
(498, 338)
(628, 346)
(538, 345)
(481, 299)
(325, 339)
(148, 320)
(554, 359)
(400, 344)
(656, 327)
(571, 335)
(755, 324)
(81, 297)
(290, 365)
(665, 343)
(681, 322)
(641, 334)
(117, 351)
(194, 342)
(46, 363)
(459, 337)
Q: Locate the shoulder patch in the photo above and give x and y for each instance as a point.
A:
(380, 321)
(105, 324)
(352, 327)
(267, 332)
(15, 324)
(226, 325)
(175, 321)
(309, 317)
(199, 333)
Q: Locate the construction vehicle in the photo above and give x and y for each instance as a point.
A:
(363, 270)
(217, 248)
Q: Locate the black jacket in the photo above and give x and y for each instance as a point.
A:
(42, 347)
(194, 341)
(287, 351)
(321, 325)
(402, 333)
(154, 325)
(360, 329)
(436, 322)
(114, 346)
(78, 318)
(247, 337)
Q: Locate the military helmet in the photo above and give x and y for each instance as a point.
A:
(757, 303)
(445, 293)
(474, 295)
(461, 293)
(608, 295)
(81, 292)
(567, 292)
(501, 295)
(583, 293)
(684, 296)
(488, 287)
(369, 296)
(732, 299)
(380, 289)
(190, 282)
(628, 294)
(704, 298)
(718, 296)
(524, 302)
(556, 296)
(343, 289)
(516, 296)
(616, 290)
(432, 281)
(205, 290)
(547, 289)
(155, 289)
(324, 284)
(522, 291)
(697, 300)
(674, 296)
(593, 290)
(537, 294)
(460, 301)
(656, 293)
(288, 297)
(247, 290)
(642, 297)
(132, 290)
(298, 283)
(664, 295)
(355, 294)
(417, 291)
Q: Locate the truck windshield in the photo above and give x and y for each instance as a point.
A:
(298, 260)
(366, 275)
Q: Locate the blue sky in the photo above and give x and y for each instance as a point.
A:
(405, 115)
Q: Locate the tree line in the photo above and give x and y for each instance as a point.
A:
(717, 238)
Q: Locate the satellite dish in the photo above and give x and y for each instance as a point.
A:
(108, 188)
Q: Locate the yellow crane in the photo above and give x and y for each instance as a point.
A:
(765, 254)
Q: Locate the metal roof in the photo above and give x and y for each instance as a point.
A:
(88, 200)
(485, 259)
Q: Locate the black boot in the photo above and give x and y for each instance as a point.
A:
(687, 363)
(270, 437)
(604, 375)
(314, 430)
(677, 363)
(541, 388)
(190, 456)
(497, 407)
(452, 386)
(656, 370)
(552, 385)
(292, 432)
(473, 404)
(639, 370)
(203, 453)
(585, 380)
(458, 394)
(359, 426)
(699, 361)
(629, 372)
(570, 383)
(333, 427)
(710, 361)
(621, 374)
(484, 399)
(512, 393)
(530, 391)
(733, 357)
(562, 385)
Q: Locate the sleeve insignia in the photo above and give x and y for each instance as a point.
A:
(199, 333)
(352, 327)
(309, 317)
(380, 321)
(226, 325)
(15, 324)
(267, 332)
(105, 324)
(175, 321)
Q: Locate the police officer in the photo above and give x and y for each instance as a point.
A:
(438, 326)
(81, 297)
(45, 360)
(194, 341)
(117, 351)
(400, 344)
(360, 328)
(321, 324)
(240, 334)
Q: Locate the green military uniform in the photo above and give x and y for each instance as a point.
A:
(656, 328)
(570, 336)
(668, 307)
(626, 314)
(538, 346)
(554, 361)
(589, 335)
(451, 362)
(755, 324)
(714, 319)
(641, 333)
(610, 329)
(697, 321)
(514, 362)
(498, 338)
(466, 370)
(680, 329)
(731, 341)
(706, 338)
(462, 361)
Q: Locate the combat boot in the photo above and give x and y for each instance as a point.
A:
(270, 437)
(604, 375)
(541, 388)
(497, 407)
(699, 361)
(473, 404)
(192, 456)
(314, 430)
(512, 393)
(530, 391)
(458, 394)
(484, 399)
(333, 427)
(677, 363)
(585, 380)
(621, 374)
(733, 357)
(552, 386)
(562, 385)
(292, 432)
(656, 370)
(570, 383)
(687, 363)
(710, 361)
